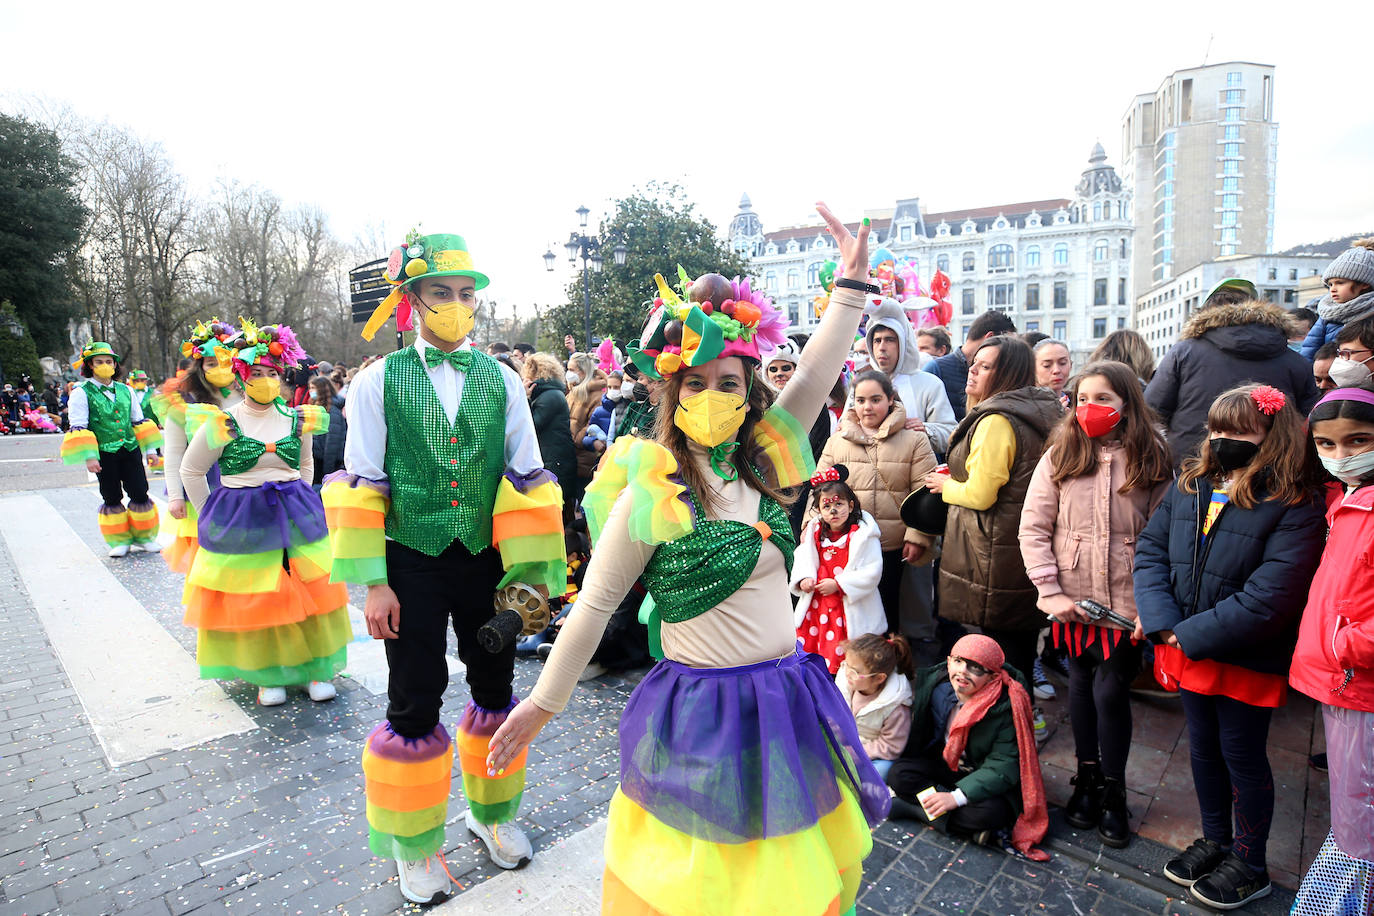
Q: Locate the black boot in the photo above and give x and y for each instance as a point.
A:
(1086, 802)
(1114, 827)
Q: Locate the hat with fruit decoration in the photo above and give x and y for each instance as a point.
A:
(207, 337)
(95, 348)
(438, 255)
(272, 345)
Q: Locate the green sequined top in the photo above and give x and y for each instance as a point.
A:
(242, 452)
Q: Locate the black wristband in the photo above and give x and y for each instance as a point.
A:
(846, 283)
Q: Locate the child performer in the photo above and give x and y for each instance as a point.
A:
(1105, 471)
(875, 679)
(838, 564)
(109, 435)
(1221, 574)
(1334, 661)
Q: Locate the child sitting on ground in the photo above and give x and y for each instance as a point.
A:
(875, 679)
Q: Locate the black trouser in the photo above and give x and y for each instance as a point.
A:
(1100, 707)
(910, 775)
(890, 588)
(1227, 741)
(455, 586)
(122, 472)
(1018, 646)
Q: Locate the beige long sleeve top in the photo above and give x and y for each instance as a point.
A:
(266, 424)
(174, 447)
(755, 623)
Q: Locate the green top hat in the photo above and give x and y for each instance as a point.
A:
(95, 348)
(438, 255)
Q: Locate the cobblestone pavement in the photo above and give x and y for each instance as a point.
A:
(272, 820)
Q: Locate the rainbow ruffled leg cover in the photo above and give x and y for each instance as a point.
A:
(407, 792)
(527, 528)
(492, 799)
(114, 525)
(143, 521)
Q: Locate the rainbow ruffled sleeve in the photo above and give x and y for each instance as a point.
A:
(527, 527)
(355, 509)
(784, 449)
(660, 510)
(79, 446)
(169, 404)
(313, 419)
(148, 435)
(221, 427)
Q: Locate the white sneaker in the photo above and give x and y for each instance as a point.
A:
(149, 547)
(121, 550)
(321, 690)
(506, 843)
(424, 880)
(271, 696)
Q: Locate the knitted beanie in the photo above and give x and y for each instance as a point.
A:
(1355, 264)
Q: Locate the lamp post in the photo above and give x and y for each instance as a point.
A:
(588, 248)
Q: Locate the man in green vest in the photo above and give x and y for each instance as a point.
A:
(109, 435)
(443, 488)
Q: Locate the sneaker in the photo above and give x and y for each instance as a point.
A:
(321, 690)
(1232, 885)
(506, 843)
(1044, 690)
(121, 550)
(1199, 860)
(593, 671)
(271, 696)
(1041, 727)
(149, 547)
(526, 646)
(424, 880)
(544, 650)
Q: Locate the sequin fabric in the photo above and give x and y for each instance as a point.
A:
(242, 452)
(111, 420)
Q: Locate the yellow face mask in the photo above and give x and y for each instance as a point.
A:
(448, 321)
(104, 371)
(263, 390)
(219, 374)
(710, 417)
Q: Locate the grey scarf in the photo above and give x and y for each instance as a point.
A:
(1346, 312)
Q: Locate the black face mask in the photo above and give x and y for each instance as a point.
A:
(1232, 454)
(639, 391)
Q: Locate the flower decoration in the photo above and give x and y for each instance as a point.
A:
(272, 345)
(1268, 399)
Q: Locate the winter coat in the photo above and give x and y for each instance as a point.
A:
(920, 393)
(982, 577)
(895, 694)
(991, 750)
(1219, 348)
(883, 470)
(1078, 536)
(579, 415)
(1326, 329)
(863, 609)
(952, 369)
(603, 415)
(549, 411)
(328, 450)
(1237, 597)
(1337, 631)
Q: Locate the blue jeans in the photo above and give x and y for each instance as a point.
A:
(882, 766)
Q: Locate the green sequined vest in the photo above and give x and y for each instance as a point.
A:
(689, 576)
(242, 452)
(111, 420)
(443, 476)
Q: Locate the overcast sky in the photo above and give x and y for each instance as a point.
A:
(495, 120)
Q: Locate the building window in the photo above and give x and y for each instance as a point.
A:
(1032, 297)
(1001, 295)
(1230, 184)
(1099, 327)
(1230, 201)
(793, 279)
(967, 303)
(1235, 96)
(813, 275)
(1230, 149)
(1097, 210)
(1228, 217)
(1231, 114)
(942, 263)
(770, 280)
(1230, 167)
(1122, 255)
(906, 233)
(1061, 295)
(1290, 296)
(1032, 326)
(1231, 132)
(1061, 330)
(1100, 291)
(1273, 273)
(1001, 257)
(1061, 255)
(1120, 323)
(1233, 78)
(968, 262)
(1033, 256)
(1121, 291)
(1271, 295)
(1100, 250)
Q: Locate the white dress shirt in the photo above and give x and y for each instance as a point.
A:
(79, 408)
(365, 448)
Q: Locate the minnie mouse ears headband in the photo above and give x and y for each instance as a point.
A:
(834, 473)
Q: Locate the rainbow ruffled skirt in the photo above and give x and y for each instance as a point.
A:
(742, 791)
(181, 553)
(258, 591)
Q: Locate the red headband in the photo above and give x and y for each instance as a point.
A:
(820, 477)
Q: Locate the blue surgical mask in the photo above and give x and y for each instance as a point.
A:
(1295, 346)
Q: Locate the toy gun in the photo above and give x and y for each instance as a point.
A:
(520, 611)
(1102, 612)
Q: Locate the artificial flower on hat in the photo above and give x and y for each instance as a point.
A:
(272, 345)
(208, 337)
(436, 255)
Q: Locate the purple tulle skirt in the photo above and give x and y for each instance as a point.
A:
(731, 755)
(272, 516)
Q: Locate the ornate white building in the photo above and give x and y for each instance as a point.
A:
(1059, 266)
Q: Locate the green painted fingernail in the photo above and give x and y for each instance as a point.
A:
(866, 222)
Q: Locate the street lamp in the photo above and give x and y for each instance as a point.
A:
(588, 248)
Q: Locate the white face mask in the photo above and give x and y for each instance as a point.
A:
(572, 378)
(1349, 373)
(614, 394)
(1352, 470)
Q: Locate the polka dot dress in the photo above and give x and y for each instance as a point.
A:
(823, 627)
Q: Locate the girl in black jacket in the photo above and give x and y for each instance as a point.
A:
(1221, 575)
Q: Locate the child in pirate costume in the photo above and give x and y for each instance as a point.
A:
(744, 786)
(258, 592)
(441, 465)
(109, 435)
(210, 381)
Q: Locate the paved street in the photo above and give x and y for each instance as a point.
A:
(129, 786)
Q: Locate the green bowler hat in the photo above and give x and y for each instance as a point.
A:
(95, 348)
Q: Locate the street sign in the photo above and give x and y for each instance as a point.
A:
(367, 287)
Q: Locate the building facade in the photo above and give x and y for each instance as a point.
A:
(1198, 156)
(1061, 266)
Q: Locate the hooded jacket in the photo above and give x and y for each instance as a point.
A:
(1218, 349)
(882, 739)
(920, 392)
(549, 412)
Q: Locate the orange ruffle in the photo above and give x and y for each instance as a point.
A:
(291, 602)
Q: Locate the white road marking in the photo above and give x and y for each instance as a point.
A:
(141, 691)
(564, 878)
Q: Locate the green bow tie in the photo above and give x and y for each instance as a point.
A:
(458, 359)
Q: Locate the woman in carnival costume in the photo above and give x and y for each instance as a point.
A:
(744, 786)
(210, 382)
(258, 591)
(109, 436)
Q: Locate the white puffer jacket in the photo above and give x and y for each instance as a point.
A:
(863, 609)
